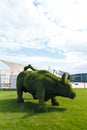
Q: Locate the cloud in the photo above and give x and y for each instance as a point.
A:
(73, 62)
(59, 27)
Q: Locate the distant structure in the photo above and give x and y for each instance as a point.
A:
(79, 80)
(14, 67)
(8, 77)
(57, 72)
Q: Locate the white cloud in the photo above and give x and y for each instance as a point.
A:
(71, 13)
(73, 62)
(49, 25)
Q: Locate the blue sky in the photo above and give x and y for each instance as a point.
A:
(44, 33)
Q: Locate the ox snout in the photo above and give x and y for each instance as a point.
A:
(73, 95)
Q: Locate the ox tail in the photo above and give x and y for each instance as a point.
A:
(29, 67)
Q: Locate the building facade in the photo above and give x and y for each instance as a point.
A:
(8, 77)
(79, 80)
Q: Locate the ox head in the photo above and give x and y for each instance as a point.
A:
(66, 87)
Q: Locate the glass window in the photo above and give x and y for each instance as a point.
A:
(76, 78)
(84, 77)
(79, 77)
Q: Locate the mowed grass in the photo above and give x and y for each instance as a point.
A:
(70, 115)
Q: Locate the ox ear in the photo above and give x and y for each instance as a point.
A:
(68, 77)
(63, 78)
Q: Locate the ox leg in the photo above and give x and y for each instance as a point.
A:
(19, 94)
(54, 101)
(41, 94)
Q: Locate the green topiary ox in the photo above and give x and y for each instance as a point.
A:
(43, 85)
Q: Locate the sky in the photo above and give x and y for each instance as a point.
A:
(44, 33)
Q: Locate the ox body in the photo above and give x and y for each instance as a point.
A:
(43, 85)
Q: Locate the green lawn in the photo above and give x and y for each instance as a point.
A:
(70, 115)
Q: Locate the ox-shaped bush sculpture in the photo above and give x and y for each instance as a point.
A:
(43, 85)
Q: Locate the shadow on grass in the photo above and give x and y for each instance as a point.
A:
(11, 105)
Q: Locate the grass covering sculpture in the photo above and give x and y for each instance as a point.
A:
(43, 86)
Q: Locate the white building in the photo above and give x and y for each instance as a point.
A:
(8, 77)
(79, 80)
